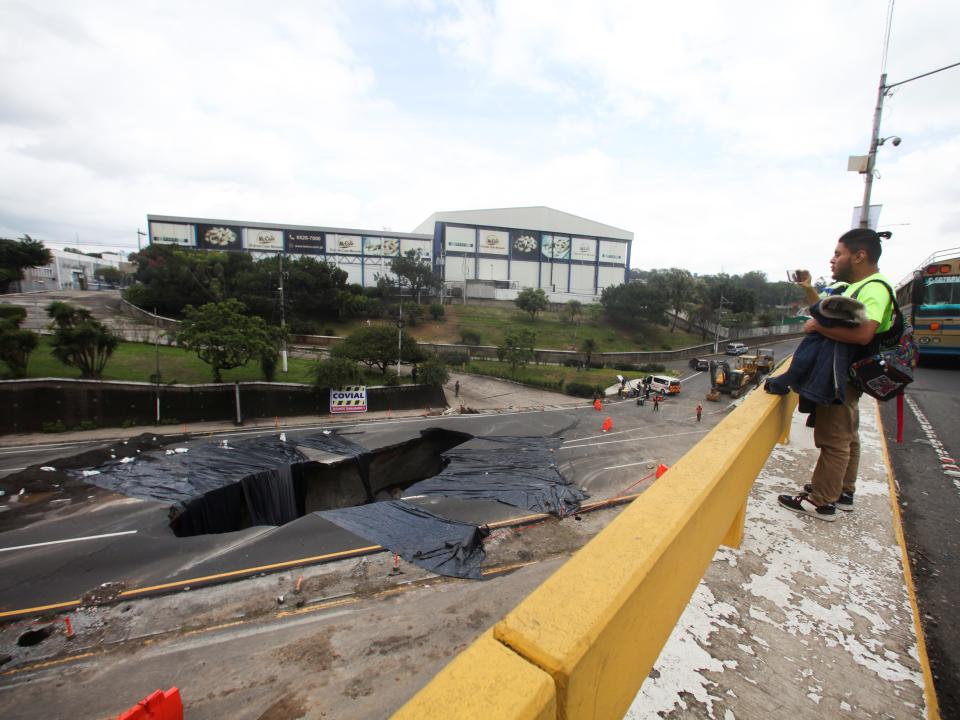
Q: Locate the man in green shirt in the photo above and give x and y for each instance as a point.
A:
(836, 426)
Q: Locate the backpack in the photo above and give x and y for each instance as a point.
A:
(890, 358)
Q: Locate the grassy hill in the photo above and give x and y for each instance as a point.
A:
(492, 321)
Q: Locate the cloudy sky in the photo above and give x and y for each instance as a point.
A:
(717, 132)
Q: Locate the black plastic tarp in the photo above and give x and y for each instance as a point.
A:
(517, 471)
(442, 546)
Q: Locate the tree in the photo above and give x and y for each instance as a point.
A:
(433, 372)
(223, 336)
(678, 287)
(377, 347)
(588, 347)
(18, 255)
(80, 341)
(16, 344)
(633, 302)
(336, 372)
(415, 272)
(573, 310)
(532, 301)
(517, 348)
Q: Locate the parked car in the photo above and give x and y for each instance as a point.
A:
(736, 348)
(699, 363)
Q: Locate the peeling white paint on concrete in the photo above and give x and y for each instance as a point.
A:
(807, 618)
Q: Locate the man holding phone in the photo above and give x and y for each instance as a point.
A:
(836, 426)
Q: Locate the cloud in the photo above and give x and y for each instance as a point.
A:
(718, 134)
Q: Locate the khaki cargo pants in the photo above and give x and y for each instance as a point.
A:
(836, 433)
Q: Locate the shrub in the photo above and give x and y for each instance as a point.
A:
(433, 372)
(56, 426)
(595, 365)
(583, 390)
(626, 367)
(336, 373)
(470, 337)
(390, 378)
(437, 310)
(456, 358)
(572, 362)
(86, 425)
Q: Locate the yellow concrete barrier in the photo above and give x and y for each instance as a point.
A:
(597, 625)
(487, 680)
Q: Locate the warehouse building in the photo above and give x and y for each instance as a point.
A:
(491, 253)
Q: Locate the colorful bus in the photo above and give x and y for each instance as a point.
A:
(930, 299)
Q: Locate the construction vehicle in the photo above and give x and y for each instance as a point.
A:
(765, 360)
(733, 381)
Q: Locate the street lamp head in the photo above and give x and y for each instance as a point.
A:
(895, 139)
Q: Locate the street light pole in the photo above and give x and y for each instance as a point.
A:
(283, 318)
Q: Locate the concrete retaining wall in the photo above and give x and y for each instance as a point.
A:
(597, 625)
(30, 404)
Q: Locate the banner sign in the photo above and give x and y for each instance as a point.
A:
(524, 244)
(305, 243)
(351, 399)
(344, 244)
(424, 246)
(218, 237)
(259, 239)
(171, 234)
(458, 239)
(613, 252)
(494, 242)
(556, 247)
(382, 246)
(584, 249)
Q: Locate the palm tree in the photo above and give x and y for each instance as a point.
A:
(588, 347)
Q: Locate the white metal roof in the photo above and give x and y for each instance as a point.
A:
(527, 218)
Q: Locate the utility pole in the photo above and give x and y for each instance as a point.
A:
(140, 234)
(876, 141)
(716, 340)
(399, 328)
(283, 318)
(872, 156)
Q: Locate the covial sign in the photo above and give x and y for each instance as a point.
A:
(350, 399)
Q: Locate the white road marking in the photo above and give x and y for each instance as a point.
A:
(648, 437)
(68, 540)
(639, 462)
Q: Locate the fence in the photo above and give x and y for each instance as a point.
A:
(35, 405)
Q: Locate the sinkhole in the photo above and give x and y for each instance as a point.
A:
(279, 496)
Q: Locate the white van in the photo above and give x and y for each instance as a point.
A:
(663, 384)
(737, 349)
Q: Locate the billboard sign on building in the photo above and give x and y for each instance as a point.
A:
(524, 244)
(425, 247)
(265, 240)
(584, 249)
(555, 247)
(381, 246)
(344, 244)
(613, 252)
(219, 237)
(460, 239)
(172, 234)
(494, 242)
(305, 243)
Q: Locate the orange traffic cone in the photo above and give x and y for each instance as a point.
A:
(661, 469)
(597, 405)
(607, 424)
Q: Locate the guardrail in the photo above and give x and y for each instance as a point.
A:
(581, 645)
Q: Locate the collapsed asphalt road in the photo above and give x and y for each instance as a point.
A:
(74, 548)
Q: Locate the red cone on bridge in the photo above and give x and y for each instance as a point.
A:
(661, 469)
(597, 405)
(607, 424)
